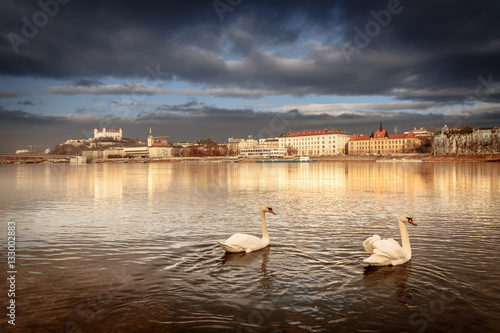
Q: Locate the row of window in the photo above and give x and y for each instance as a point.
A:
(366, 143)
(315, 147)
(381, 146)
(371, 151)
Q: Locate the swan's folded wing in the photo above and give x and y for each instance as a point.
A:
(229, 248)
(368, 243)
(378, 260)
(389, 248)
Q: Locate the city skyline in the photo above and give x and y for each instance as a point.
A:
(225, 69)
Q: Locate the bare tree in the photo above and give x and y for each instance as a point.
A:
(290, 150)
(176, 152)
(494, 143)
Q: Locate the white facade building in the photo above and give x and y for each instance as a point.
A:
(233, 146)
(269, 143)
(22, 151)
(315, 142)
(113, 152)
(420, 132)
(136, 152)
(249, 143)
(160, 152)
(485, 134)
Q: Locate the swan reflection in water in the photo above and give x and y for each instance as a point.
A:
(392, 277)
(255, 260)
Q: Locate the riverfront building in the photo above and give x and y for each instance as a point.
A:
(235, 146)
(315, 142)
(158, 146)
(382, 143)
(269, 143)
(160, 152)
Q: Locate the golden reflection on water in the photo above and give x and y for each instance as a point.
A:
(466, 176)
(111, 181)
(108, 183)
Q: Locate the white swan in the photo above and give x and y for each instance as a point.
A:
(387, 252)
(248, 243)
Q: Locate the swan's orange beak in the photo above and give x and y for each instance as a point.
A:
(271, 211)
(411, 221)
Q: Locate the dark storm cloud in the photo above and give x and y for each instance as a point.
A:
(25, 102)
(206, 113)
(9, 93)
(88, 83)
(16, 115)
(191, 106)
(409, 49)
(220, 123)
(144, 89)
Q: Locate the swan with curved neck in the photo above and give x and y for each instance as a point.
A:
(248, 243)
(385, 252)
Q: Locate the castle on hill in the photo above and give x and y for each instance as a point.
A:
(114, 134)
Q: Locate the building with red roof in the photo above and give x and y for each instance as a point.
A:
(383, 143)
(315, 142)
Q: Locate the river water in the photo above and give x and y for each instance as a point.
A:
(133, 247)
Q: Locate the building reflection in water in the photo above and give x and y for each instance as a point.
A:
(256, 261)
(108, 181)
(392, 278)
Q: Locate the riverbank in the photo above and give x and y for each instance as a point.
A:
(333, 159)
(464, 158)
(422, 158)
(319, 159)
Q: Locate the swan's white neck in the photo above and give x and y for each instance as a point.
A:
(405, 239)
(265, 234)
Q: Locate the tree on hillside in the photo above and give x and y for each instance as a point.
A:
(66, 149)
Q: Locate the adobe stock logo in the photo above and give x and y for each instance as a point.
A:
(222, 7)
(372, 29)
(40, 19)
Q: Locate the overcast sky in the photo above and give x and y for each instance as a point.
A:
(233, 68)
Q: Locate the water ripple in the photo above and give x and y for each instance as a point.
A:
(135, 246)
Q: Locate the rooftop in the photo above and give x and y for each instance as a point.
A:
(314, 132)
(381, 134)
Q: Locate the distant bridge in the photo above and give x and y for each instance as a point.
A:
(35, 158)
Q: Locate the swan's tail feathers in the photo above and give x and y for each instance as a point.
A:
(368, 243)
(378, 260)
(228, 248)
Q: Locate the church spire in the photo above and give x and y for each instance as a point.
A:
(381, 128)
(150, 138)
